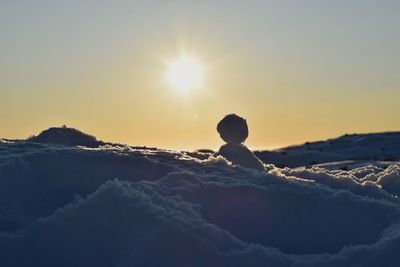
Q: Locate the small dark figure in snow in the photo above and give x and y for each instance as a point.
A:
(234, 131)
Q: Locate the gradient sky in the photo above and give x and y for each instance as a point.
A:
(297, 70)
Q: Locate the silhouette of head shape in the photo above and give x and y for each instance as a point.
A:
(233, 129)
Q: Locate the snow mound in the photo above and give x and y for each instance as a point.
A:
(122, 206)
(359, 147)
(65, 136)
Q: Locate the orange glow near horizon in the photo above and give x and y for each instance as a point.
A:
(165, 76)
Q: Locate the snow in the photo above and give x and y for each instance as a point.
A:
(116, 205)
(359, 147)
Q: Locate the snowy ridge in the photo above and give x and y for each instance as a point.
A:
(357, 147)
(121, 206)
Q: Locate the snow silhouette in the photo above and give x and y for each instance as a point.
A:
(65, 136)
(234, 131)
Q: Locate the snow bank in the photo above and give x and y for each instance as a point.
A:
(65, 136)
(384, 147)
(121, 206)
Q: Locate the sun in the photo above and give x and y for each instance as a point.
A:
(184, 73)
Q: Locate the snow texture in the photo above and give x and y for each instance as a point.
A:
(123, 206)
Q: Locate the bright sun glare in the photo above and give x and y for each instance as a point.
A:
(184, 73)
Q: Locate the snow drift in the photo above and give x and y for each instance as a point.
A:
(65, 136)
(117, 205)
(350, 147)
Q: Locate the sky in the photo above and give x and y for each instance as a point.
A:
(296, 70)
